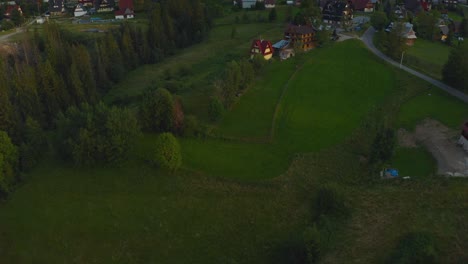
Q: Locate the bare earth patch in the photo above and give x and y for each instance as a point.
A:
(441, 142)
(406, 139)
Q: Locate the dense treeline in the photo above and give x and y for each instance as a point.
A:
(51, 72)
(90, 135)
(455, 71)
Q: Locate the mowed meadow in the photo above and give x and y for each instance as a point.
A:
(325, 96)
(246, 194)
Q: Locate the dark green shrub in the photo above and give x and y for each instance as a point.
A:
(312, 239)
(157, 111)
(91, 135)
(8, 162)
(33, 144)
(216, 109)
(167, 153)
(330, 201)
(415, 248)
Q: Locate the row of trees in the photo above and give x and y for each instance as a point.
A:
(237, 77)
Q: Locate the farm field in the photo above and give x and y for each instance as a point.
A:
(247, 194)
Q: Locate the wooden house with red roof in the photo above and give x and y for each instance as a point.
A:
(10, 8)
(262, 47)
(125, 11)
(302, 37)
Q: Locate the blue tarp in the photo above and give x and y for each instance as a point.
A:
(391, 172)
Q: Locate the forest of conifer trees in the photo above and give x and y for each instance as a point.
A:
(55, 69)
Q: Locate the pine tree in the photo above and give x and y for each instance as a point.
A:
(129, 55)
(85, 69)
(6, 109)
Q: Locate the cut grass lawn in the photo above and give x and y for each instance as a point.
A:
(435, 104)
(427, 57)
(319, 109)
(252, 116)
(136, 214)
(414, 162)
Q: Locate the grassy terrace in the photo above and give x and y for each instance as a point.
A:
(241, 202)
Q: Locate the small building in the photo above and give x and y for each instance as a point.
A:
(336, 11)
(56, 7)
(302, 37)
(262, 47)
(409, 34)
(79, 11)
(125, 10)
(283, 49)
(103, 6)
(246, 4)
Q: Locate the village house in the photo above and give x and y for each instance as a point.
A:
(104, 5)
(302, 37)
(364, 5)
(262, 47)
(56, 7)
(126, 10)
(407, 32)
(334, 11)
(283, 49)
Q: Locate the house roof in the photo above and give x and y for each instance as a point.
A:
(281, 44)
(263, 45)
(300, 29)
(413, 5)
(56, 5)
(126, 11)
(123, 4)
(10, 9)
(360, 4)
(409, 32)
(444, 29)
(270, 2)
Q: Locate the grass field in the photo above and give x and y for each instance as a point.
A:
(427, 57)
(414, 162)
(320, 108)
(236, 201)
(435, 104)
